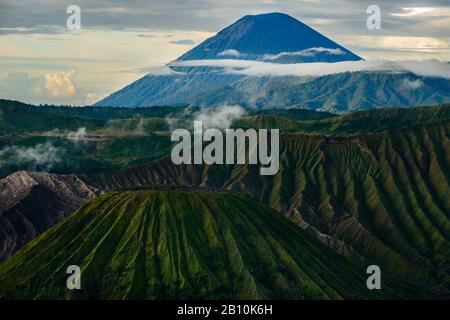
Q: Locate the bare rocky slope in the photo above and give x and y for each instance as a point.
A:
(31, 203)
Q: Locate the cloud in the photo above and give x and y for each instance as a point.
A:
(91, 97)
(20, 84)
(310, 52)
(78, 136)
(159, 71)
(140, 129)
(407, 12)
(429, 68)
(231, 53)
(409, 84)
(212, 15)
(56, 84)
(411, 43)
(186, 42)
(219, 118)
(113, 10)
(32, 30)
(144, 35)
(233, 63)
(60, 84)
(425, 11)
(59, 88)
(42, 156)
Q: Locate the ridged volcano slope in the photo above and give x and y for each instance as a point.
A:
(177, 244)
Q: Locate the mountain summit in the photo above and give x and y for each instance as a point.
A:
(274, 37)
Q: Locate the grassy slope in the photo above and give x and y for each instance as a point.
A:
(182, 245)
(121, 138)
(385, 197)
(22, 124)
(117, 137)
(83, 157)
(362, 122)
(16, 118)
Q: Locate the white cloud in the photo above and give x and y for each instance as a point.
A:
(231, 52)
(221, 117)
(78, 136)
(310, 52)
(425, 11)
(161, 71)
(409, 84)
(232, 63)
(60, 84)
(41, 156)
(429, 68)
(91, 97)
(140, 127)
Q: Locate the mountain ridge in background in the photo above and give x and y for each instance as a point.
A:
(280, 39)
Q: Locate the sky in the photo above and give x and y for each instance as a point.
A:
(42, 61)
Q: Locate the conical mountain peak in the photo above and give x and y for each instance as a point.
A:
(274, 37)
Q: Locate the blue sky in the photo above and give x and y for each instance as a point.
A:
(43, 62)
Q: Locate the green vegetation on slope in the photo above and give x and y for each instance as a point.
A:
(184, 245)
(118, 138)
(16, 117)
(51, 117)
(379, 198)
(362, 122)
(383, 197)
(60, 155)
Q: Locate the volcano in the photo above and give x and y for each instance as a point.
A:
(184, 245)
(207, 75)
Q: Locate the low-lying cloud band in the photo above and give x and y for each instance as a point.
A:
(427, 68)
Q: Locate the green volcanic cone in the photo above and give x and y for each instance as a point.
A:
(184, 245)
